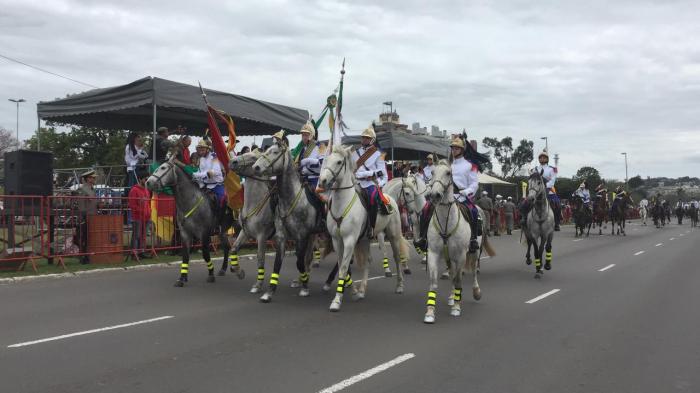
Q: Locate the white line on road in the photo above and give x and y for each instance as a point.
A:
(681, 234)
(638, 253)
(364, 375)
(673, 238)
(577, 240)
(607, 267)
(43, 340)
(542, 296)
(659, 245)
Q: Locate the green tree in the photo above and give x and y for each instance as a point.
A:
(635, 182)
(589, 174)
(565, 187)
(512, 160)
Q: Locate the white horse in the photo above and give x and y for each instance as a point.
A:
(643, 214)
(347, 223)
(448, 239)
(410, 192)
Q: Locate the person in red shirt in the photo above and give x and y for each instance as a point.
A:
(140, 206)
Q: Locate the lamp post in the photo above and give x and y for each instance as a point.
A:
(17, 102)
(546, 143)
(625, 154)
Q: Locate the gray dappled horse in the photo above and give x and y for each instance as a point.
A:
(197, 217)
(347, 223)
(539, 229)
(449, 233)
(257, 217)
(297, 216)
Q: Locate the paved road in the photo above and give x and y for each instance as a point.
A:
(633, 327)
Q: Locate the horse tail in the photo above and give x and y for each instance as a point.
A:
(403, 248)
(487, 246)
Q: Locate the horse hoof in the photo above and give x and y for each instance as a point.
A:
(528, 261)
(221, 273)
(304, 292)
(399, 290)
(358, 296)
(335, 306)
(407, 271)
(211, 279)
(547, 266)
(179, 283)
(266, 298)
(450, 301)
(240, 274)
(255, 289)
(429, 319)
(387, 274)
(424, 261)
(476, 293)
(445, 276)
(455, 312)
(316, 264)
(326, 287)
(295, 284)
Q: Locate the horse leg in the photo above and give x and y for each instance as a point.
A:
(233, 257)
(331, 277)
(382, 247)
(344, 262)
(433, 266)
(548, 254)
(304, 252)
(456, 267)
(275, 276)
(363, 263)
(260, 279)
(399, 250)
(528, 261)
(473, 262)
(185, 264)
(206, 254)
(539, 249)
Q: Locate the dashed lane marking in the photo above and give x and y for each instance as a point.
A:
(366, 374)
(607, 267)
(104, 329)
(577, 240)
(673, 238)
(659, 245)
(638, 253)
(542, 296)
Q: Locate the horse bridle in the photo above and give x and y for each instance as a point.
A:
(342, 168)
(159, 179)
(271, 163)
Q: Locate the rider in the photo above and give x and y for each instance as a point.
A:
(367, 159)
(428, 169)
(466, 165)
(210, 174)
(583, 193)
(601, 191)
(309, 158)
(549, 174)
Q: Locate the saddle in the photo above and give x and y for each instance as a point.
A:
(467, 215)
(318, 205)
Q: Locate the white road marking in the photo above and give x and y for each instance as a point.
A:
(607, 267)
(542, 296)
(681, 234)
(673, 238)
(687, 231)
(43, 340)
(577, 240)
(658, 245)
(364, 375)
(638, 253)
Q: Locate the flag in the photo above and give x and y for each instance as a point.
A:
(232, 182)
(337, 120)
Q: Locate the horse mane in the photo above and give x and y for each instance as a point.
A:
(443, 162)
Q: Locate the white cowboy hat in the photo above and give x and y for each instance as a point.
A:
(430, 157)
(308, 128)
(544, 153)
(485, 193)
(457, 142)
(369, 133)
(279, 135)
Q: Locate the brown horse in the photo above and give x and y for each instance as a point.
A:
(600, 213)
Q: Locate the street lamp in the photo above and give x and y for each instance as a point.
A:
(17, 102)
(546, 143)
(625, 154)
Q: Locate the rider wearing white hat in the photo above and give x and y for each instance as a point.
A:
(309, 158)
(549, 174)
(368, 161)
(210, 174)
(428, 169)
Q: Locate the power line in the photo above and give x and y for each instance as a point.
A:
(46, 71)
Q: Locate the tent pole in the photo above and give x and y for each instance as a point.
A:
(154, 127)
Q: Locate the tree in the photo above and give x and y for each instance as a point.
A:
(511, 160)
(589, 174)
(8, 142)
(635, 182)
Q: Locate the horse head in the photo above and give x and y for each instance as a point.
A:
(163, 176)
(535, 186)
(413, 193)
(274, 160)
(441, 183)
(337, 166)
(242, 164)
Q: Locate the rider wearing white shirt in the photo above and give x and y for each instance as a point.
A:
(309, 158)
(583, 193)
(370, 168)
(549, 174)
(644, 203)
(210, 174)
(428, 169)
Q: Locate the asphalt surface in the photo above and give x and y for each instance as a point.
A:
(634, 327)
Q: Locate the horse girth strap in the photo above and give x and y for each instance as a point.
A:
(258, 208)
(365, 156)
(195, 207)
(294, 203)
(346, 211)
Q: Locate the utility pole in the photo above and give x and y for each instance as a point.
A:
(17, 102)
(625, 154)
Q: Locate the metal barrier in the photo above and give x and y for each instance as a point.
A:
(21, 231)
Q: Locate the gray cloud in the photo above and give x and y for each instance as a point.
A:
(597, 78)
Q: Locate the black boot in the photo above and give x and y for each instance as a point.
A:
(372, 220)
(473, 244)
(422, 242)
(557, 218)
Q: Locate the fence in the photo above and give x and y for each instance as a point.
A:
(106, 229)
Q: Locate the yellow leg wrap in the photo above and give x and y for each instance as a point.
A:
(274, 279)
(304, 277)
(457, 294)
(261, 274)
(210, 265)
(548, 257)
(432, 297)
(184, 267)
(341, 286)
(386, 263)
(233, 260)
(538, 263)
(317, 255)
(348, 281)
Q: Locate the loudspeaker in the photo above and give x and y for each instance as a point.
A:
(28, 172)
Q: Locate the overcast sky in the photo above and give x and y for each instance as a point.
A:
(596, 77)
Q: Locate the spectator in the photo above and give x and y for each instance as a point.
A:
(254, 147)
(486, 204)
(509, 212)
(139, 204)
(245, 150)
(185, 156)
(134, 155)
(87, 206)
(163, 144)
